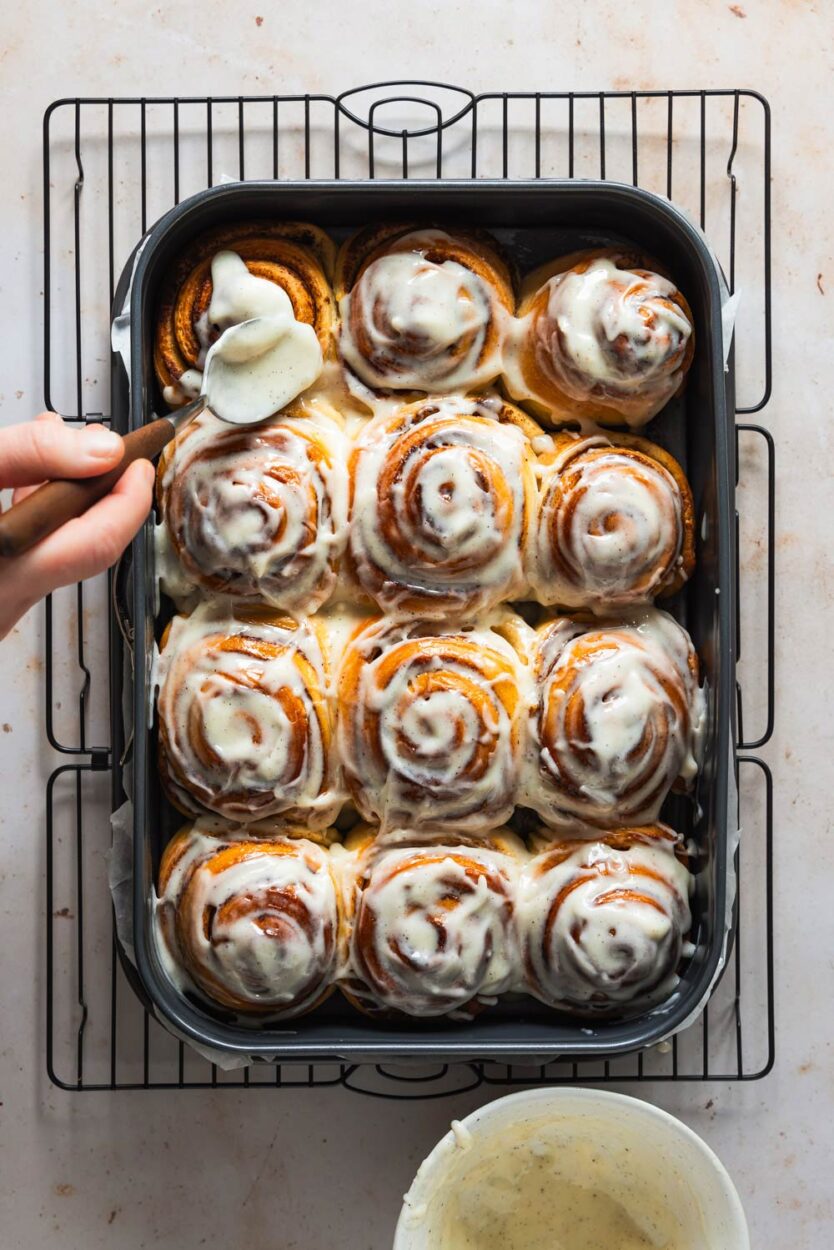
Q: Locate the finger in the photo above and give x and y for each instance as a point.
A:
(92, 542)
(47, 448)
(20, 492)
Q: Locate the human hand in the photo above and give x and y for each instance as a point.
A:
(45, 449)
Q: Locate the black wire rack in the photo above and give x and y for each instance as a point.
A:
(111, 167)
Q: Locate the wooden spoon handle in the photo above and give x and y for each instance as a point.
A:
(54, 503)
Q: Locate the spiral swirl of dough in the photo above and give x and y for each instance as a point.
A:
(615, 525)
(604, 923)
(601, 337)
(244, 722)
(255, 512)
(429, 723)
(253, 923)
(617, 719)
(234, 273)
(425, 311)
(441, 499)
(432, 929)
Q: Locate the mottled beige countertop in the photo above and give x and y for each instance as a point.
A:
(317, 1169)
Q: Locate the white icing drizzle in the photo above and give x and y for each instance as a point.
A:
(413, 324)
(429, 724)
(260, 932)
(618, 718)
(244, 719)
(263, 358)
(434, 929)
(610, 528)
(612, 327)
(605, 925)
(440, 507)
(256, 513)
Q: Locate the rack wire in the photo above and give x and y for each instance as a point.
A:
(111, 167)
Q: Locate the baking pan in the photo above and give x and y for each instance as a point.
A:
(535, 221)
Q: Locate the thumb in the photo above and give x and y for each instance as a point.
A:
(47, 448)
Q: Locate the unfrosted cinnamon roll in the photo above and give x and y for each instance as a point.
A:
(616, 721)
(429, 722)
(244, 721)
(422, 310)
(604, 923)
(601, 336)
(432, 926)
(253, 923)
(256, 511)
(231, 274)
(441, 499)
(615, 523)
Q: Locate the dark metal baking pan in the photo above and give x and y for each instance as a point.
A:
(536, 221)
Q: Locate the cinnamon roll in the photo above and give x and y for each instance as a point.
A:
(244, 721)
(600, 336)
(429, 722)
(441, 499)
(231, 274)
(422, 310)
(615, 523)
(253, 923)
(255, 511)
(432, 926)
(604, 924)
(617, 719)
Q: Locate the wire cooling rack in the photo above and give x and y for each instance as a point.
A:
(111, 168)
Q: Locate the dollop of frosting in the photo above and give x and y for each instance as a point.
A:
(263, 358)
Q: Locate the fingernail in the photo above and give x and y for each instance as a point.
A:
(101, 444)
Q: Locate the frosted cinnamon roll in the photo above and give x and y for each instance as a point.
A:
(256, 511)
(604, 924)
(600, 336)
(230, 275)
(441, 496)
(422, 310)
(615, 523)
(429, 722)
(244, 721)
(617, 719)
(432, 927)
(254, 924)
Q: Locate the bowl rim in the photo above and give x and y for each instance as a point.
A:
(416, 1194)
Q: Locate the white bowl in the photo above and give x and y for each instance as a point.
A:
(669, 1181)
